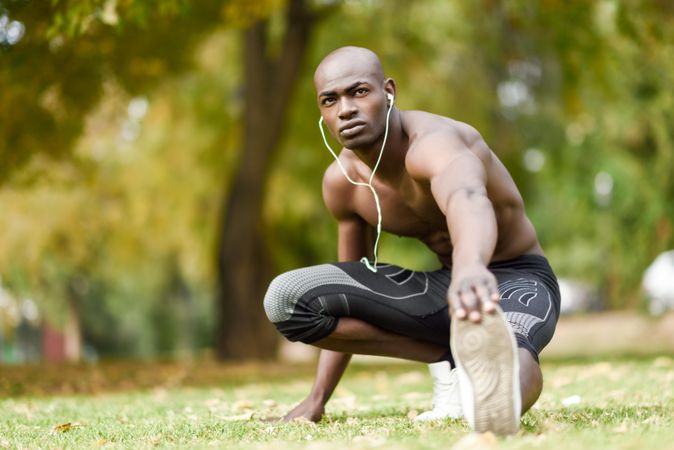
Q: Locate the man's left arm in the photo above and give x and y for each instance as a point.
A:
(458, 182)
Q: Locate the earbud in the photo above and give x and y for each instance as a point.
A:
(371, 266)
(390, 101)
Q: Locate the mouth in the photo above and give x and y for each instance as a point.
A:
(351, 128)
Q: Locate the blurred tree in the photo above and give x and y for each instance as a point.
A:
(271, 70)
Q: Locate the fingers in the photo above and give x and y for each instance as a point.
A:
(472, 297)
(489, 296)
(485, 299)
(471, 303)
(456, 308)
(464, 303)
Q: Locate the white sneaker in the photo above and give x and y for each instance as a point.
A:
(446, 397)
(488, 367)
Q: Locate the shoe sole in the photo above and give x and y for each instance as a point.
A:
(486, 353)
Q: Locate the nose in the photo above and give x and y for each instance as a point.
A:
(347, 108)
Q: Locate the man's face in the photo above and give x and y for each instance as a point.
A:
(353, 105)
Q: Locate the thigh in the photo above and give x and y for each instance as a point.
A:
(417, 294)
(395, 299)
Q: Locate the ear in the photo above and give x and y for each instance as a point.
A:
(390, 88)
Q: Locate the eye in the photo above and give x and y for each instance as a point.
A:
(361, 91)
(327, 101)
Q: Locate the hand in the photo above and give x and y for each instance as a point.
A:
(309, 409)
(473, 291)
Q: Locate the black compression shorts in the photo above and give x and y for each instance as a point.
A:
(305, 304)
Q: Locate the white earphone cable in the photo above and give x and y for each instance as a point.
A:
(364, 260)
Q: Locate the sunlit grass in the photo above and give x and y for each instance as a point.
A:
(619, 403)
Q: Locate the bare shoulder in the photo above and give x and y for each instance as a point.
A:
(436, 141)
(337, 190)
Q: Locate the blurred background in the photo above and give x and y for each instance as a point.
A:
(160, 160)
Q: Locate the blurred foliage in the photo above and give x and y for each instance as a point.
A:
(595, 96)
(115, 211)
(101, 219)
(69, 52)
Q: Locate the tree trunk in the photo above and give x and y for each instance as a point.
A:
(244, 269)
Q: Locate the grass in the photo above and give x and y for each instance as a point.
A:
(621, 403)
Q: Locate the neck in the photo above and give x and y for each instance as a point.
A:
(393, 159)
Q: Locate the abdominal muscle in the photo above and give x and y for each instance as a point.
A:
(421, 220)
(521, 243)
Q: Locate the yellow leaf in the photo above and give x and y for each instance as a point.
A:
(246, 416)
(476, 441)
(66, 427)
(156, 439)
(243, 405)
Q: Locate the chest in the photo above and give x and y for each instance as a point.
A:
(408, 208)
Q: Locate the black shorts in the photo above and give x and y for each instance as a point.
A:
(305, 304)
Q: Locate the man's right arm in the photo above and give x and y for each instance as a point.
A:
(355, 239)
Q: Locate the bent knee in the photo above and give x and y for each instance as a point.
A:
(293, 304)
(279, 301)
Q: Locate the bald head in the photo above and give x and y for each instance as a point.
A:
(353, 96)
(346, 62)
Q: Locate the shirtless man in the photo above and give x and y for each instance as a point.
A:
(437, 181)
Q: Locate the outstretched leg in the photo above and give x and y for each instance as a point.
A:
(531, 379)
(499, 381)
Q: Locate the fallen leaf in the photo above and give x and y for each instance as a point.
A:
(243, 404)
(414, 396)
(160, 394)
(412, 414)
(244, 416)
(663, 361)
(270, 419)
(572, 400)
(621, 428)
(303, 420)
(25, 409)
(213, 402)
(411, 378)
(476, 441)
(369, 440)
(156, 439)
(345, 402)
(62, 428)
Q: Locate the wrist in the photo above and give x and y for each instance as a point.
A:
(467, 266)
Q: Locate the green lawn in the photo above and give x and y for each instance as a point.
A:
(621, 403)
